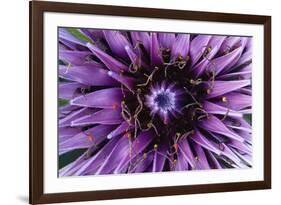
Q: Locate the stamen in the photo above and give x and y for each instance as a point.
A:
(133, 68)
(67, 68)
(188, 92)
(90, 137)
(149, 77)
(225, 116)
(138, 44)
(155, 147)
(115, 106)
(206, 114)
(221, 147)
(125, 111)
(144, 155)
(122, 90)
(227, 49)
(150, 124)
(188, 105)
(205, 52)
(195, 82)
(224, 99)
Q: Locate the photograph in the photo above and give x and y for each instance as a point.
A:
(129, 102)
(141, 101)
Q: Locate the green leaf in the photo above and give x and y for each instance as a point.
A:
(62, 102)
(248, 118)
(78, 34)
(69, 157)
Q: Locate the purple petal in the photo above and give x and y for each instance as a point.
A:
(143, 165)
(181, 46)
(89, 74)
(124, 127)
(229, 44)
(155, 54)
(66, 35)
(213, 124)
(181, 163)
(142, 38)
(159, 159)
(110, 62)
(67, 121)
(201, 159)
(94, 162)
(231, 155)
(197, 47)
(105, 117)
(105, 98)
(236, 101)
(214, 44)
(117, 43)
(222, 87)
(128, 82)
(226, 61)
(69, 90)
(185, 149)
(74, 57)
(86, 138)
(206, 143)
(67, 132)
(242, 74)
(114, 157)
(166, 40)
(138, 146)
(245, 58)
(241, 146)
(67, 109)
(220, 110)
(214, 160)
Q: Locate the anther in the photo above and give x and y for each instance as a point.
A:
(90, 137)
(176, 146)
(208, 91)
(155, 146)
(114, 106)
(144, 155)
(224, 99)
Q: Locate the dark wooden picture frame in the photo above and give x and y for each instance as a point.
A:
(37, 9)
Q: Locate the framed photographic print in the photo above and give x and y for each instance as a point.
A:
(136, 102)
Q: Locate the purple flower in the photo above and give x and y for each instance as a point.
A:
(152, 102)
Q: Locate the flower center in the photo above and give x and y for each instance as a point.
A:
(165, 101)
(162, 101)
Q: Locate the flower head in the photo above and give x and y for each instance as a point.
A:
(152, 102)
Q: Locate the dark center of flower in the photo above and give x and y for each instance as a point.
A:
(167, 98)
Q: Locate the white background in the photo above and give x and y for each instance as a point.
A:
(14, 101)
